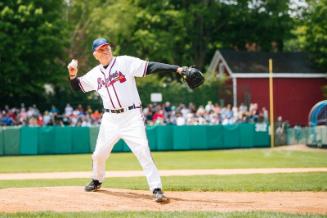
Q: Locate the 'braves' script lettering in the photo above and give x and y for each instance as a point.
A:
(114, 77)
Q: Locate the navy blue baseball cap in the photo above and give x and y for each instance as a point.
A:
(98, 43)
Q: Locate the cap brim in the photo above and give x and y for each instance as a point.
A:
(101, 46)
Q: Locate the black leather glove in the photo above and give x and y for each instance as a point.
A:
(192, 76)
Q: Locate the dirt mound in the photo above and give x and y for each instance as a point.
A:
(75, 199)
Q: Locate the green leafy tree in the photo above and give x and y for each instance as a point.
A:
(84, 21)
(205, 23)
(316, 33)
(31, 48)
(259, 25)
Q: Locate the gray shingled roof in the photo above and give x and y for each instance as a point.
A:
(257, 62)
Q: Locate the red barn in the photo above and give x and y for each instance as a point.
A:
(297, 84)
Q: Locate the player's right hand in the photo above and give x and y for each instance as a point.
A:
(72, 68)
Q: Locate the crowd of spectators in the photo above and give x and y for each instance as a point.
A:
(204, 114)
(154, 114)
(31, 116)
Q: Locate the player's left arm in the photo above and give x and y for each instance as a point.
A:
(157, 67)
(192, 76)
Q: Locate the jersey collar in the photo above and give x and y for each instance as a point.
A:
(107, 69)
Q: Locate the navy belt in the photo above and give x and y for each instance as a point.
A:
(121, 110)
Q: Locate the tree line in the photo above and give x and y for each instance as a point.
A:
(38, 38)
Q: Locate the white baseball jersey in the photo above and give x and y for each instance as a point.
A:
(116, 84)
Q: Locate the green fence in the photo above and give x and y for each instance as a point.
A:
(67, 140)
(10, 140)
(312, 136)
(53, 140)
(1, 142)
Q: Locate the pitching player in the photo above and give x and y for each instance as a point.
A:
(114, 80)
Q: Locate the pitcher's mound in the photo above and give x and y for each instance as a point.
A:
(75, 199)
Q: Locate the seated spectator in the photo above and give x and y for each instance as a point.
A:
(209, 106)
(46, 118)
(68, 110)
(89, 109)
(158, 117)
(22, 116)
(32, 122)
(180, 120)
(39, 120)
(6, 120)
(54, 110)
(201, 111)
(96, 115)
(167, 107)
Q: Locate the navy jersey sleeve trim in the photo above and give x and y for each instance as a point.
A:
(75, 84)
(145, 69)
(80, 85)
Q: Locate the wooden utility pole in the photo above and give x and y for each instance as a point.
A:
(271, 104)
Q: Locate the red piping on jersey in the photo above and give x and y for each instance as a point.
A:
(145, 68)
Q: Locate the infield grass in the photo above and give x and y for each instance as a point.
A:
(237, 183)
(180, 214)
(214, 159)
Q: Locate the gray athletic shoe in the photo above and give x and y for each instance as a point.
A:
(159, 196)
(93, 186)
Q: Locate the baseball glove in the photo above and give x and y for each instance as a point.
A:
(192, 76)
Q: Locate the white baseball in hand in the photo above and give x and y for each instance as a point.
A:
(73, 64)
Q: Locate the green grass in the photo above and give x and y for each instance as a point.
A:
(223, 159)
(180, 214)
(247, 183)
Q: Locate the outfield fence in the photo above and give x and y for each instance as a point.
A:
(74, 140)
(67, 140)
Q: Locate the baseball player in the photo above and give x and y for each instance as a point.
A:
(114, 80)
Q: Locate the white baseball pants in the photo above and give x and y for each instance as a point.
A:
(130, 127)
